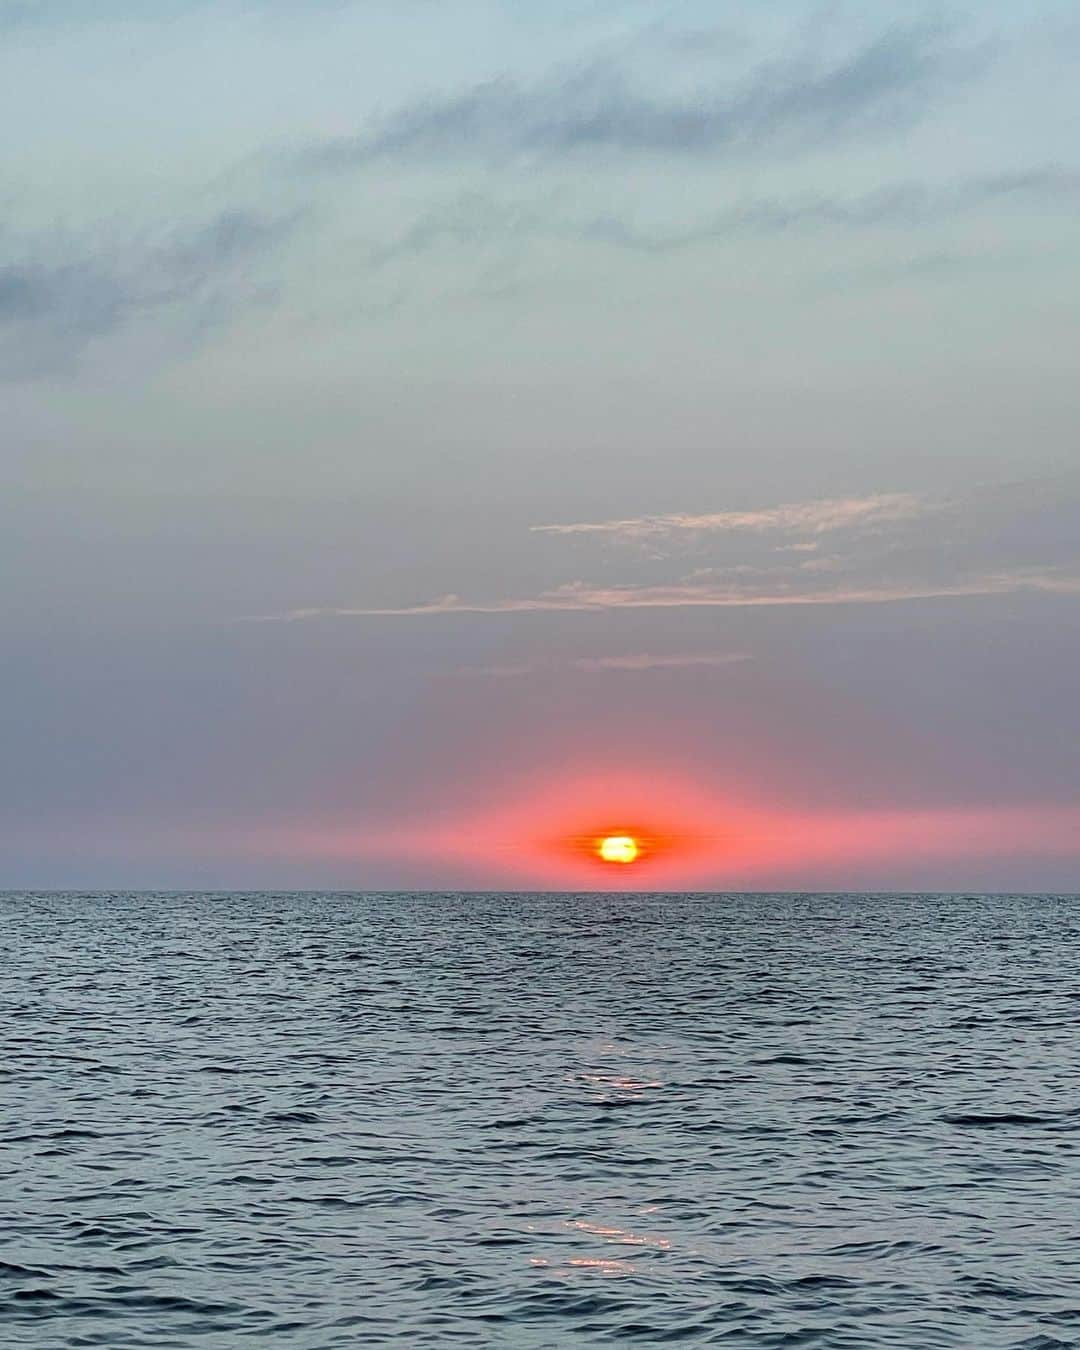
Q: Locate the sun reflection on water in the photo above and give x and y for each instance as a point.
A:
(623, 1236)
(620, 1082)
(601, 1265)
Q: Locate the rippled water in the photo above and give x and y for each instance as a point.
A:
(326, 1120)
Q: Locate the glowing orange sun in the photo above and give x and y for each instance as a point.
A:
(618, 848)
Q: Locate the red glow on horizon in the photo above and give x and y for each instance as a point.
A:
(690, 835)
(601, 830)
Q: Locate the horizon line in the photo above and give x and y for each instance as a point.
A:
(429, 891)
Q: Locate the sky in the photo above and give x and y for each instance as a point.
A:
(438, 433)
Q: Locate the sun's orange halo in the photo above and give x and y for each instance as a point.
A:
(618, 848)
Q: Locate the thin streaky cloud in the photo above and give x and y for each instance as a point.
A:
(647, 661)
(906, 205)
(784, 106)
(817, 517)
(595, 665)
(577, 597)
(471, 219)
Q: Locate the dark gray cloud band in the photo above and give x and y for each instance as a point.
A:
(52, 308)
(786, 105)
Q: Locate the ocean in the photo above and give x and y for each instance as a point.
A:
(317, 1120)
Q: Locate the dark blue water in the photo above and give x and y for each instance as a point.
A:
(427, 1120)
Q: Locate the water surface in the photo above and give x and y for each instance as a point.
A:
(428, 1120)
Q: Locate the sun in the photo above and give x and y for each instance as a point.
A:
(618, 848)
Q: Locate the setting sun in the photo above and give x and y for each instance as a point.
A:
(618, 848)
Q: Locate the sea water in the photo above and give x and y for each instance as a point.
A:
(540, 1120)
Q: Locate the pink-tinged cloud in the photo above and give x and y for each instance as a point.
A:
(598, 665)
(578, 596)
(647, 661)
(816, 517)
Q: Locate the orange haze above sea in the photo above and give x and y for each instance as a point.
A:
(549, 835)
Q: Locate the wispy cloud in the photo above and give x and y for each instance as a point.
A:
(784, 105)
(59, 298)
(578, 597)
(906, 205)
(994, 540)
(471, 219)
(596, 665)
(809, 518)
(648, 661)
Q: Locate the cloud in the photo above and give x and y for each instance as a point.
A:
(808, 518)
(699, 592)
(784, 106)
(77, 300)
(595, 665)
(898, 205)
(992, 540)
(647, 661)
(472, 220)
(52, 308)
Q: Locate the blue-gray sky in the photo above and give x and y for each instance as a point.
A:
(412, 409)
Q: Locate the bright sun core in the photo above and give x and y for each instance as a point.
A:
(618, 848)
